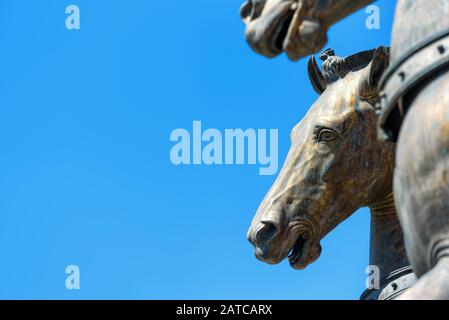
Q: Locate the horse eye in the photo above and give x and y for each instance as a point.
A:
(327, 135)
(246, 11)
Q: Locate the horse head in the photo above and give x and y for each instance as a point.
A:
(296, 27)
(273, 27)
(335, 164)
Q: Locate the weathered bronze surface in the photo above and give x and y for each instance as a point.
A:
(414, 111)
(335, 166)
(418, 115)
(422, 186)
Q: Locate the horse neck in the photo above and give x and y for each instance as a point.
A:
(387, 250)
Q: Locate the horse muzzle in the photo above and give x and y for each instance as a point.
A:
(263, 237)
(266, 34)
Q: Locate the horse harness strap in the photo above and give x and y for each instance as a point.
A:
(419, 63)
(398, 285)
(391, 286)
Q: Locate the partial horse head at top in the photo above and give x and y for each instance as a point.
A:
(296, 27)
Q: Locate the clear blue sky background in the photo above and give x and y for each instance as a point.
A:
(85, 119)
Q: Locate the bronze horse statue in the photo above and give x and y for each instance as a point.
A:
(413, 111)
(335, 166)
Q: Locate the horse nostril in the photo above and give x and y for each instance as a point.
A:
(266, 233)
(246, 11)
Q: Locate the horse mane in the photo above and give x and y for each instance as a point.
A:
(335, 68)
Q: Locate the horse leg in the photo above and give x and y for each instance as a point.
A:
(421, 186)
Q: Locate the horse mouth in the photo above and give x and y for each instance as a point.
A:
(298, 251)
(268, 34)
(281, 31)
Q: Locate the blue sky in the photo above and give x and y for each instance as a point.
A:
(85, 121)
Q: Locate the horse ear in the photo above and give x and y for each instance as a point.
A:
(380, 63)
(316, 76)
